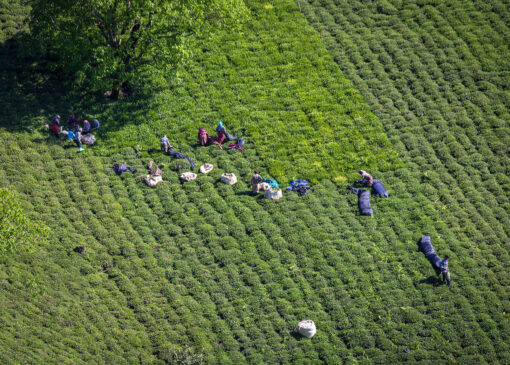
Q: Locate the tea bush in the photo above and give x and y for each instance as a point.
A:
(203, 271)
(442, 123)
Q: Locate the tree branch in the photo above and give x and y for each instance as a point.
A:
(114, 20)
(101, 22)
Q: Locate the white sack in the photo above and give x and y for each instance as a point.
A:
(228, 178)
(306, 328)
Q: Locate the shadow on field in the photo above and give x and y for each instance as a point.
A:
(432, 280)
(31, 95)
(26, 91)
(248, 192)
(296, 335)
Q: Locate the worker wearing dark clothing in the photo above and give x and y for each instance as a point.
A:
(73, 122)
(86, 127)
(95, 124)
(55, 125)
(443, 265)
(255, 183)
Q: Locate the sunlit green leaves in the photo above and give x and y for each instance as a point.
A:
(18, 233)
(118, 43)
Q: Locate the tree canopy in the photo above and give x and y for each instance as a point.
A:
(108, 44)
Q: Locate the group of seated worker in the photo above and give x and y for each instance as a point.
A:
(205, 139)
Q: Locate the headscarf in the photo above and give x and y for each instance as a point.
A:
(220, 126)
(86, 122)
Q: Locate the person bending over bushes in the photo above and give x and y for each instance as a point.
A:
(255, 183)
(440, 266)
(367, 180)
(443, 265)
(165, 144)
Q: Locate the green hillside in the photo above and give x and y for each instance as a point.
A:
(202, 272)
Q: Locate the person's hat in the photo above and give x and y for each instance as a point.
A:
(86, 122)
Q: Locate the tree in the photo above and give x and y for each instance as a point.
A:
(17, 232)
(111, 43)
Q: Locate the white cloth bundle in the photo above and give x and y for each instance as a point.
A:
(153, 180)
(188, 176)
(306, 328)
(206, 168)
(229, 178)
(273, 194)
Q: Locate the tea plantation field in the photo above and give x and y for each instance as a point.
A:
(201, 272)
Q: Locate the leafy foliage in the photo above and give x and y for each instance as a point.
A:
(281, 91)
(18, 233)
(111, 43)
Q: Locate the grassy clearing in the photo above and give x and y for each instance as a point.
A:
(185, 272)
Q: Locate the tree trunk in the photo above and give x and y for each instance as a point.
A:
(116, 92)
(119, 91)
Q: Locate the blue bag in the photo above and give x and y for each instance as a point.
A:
(379, 189)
